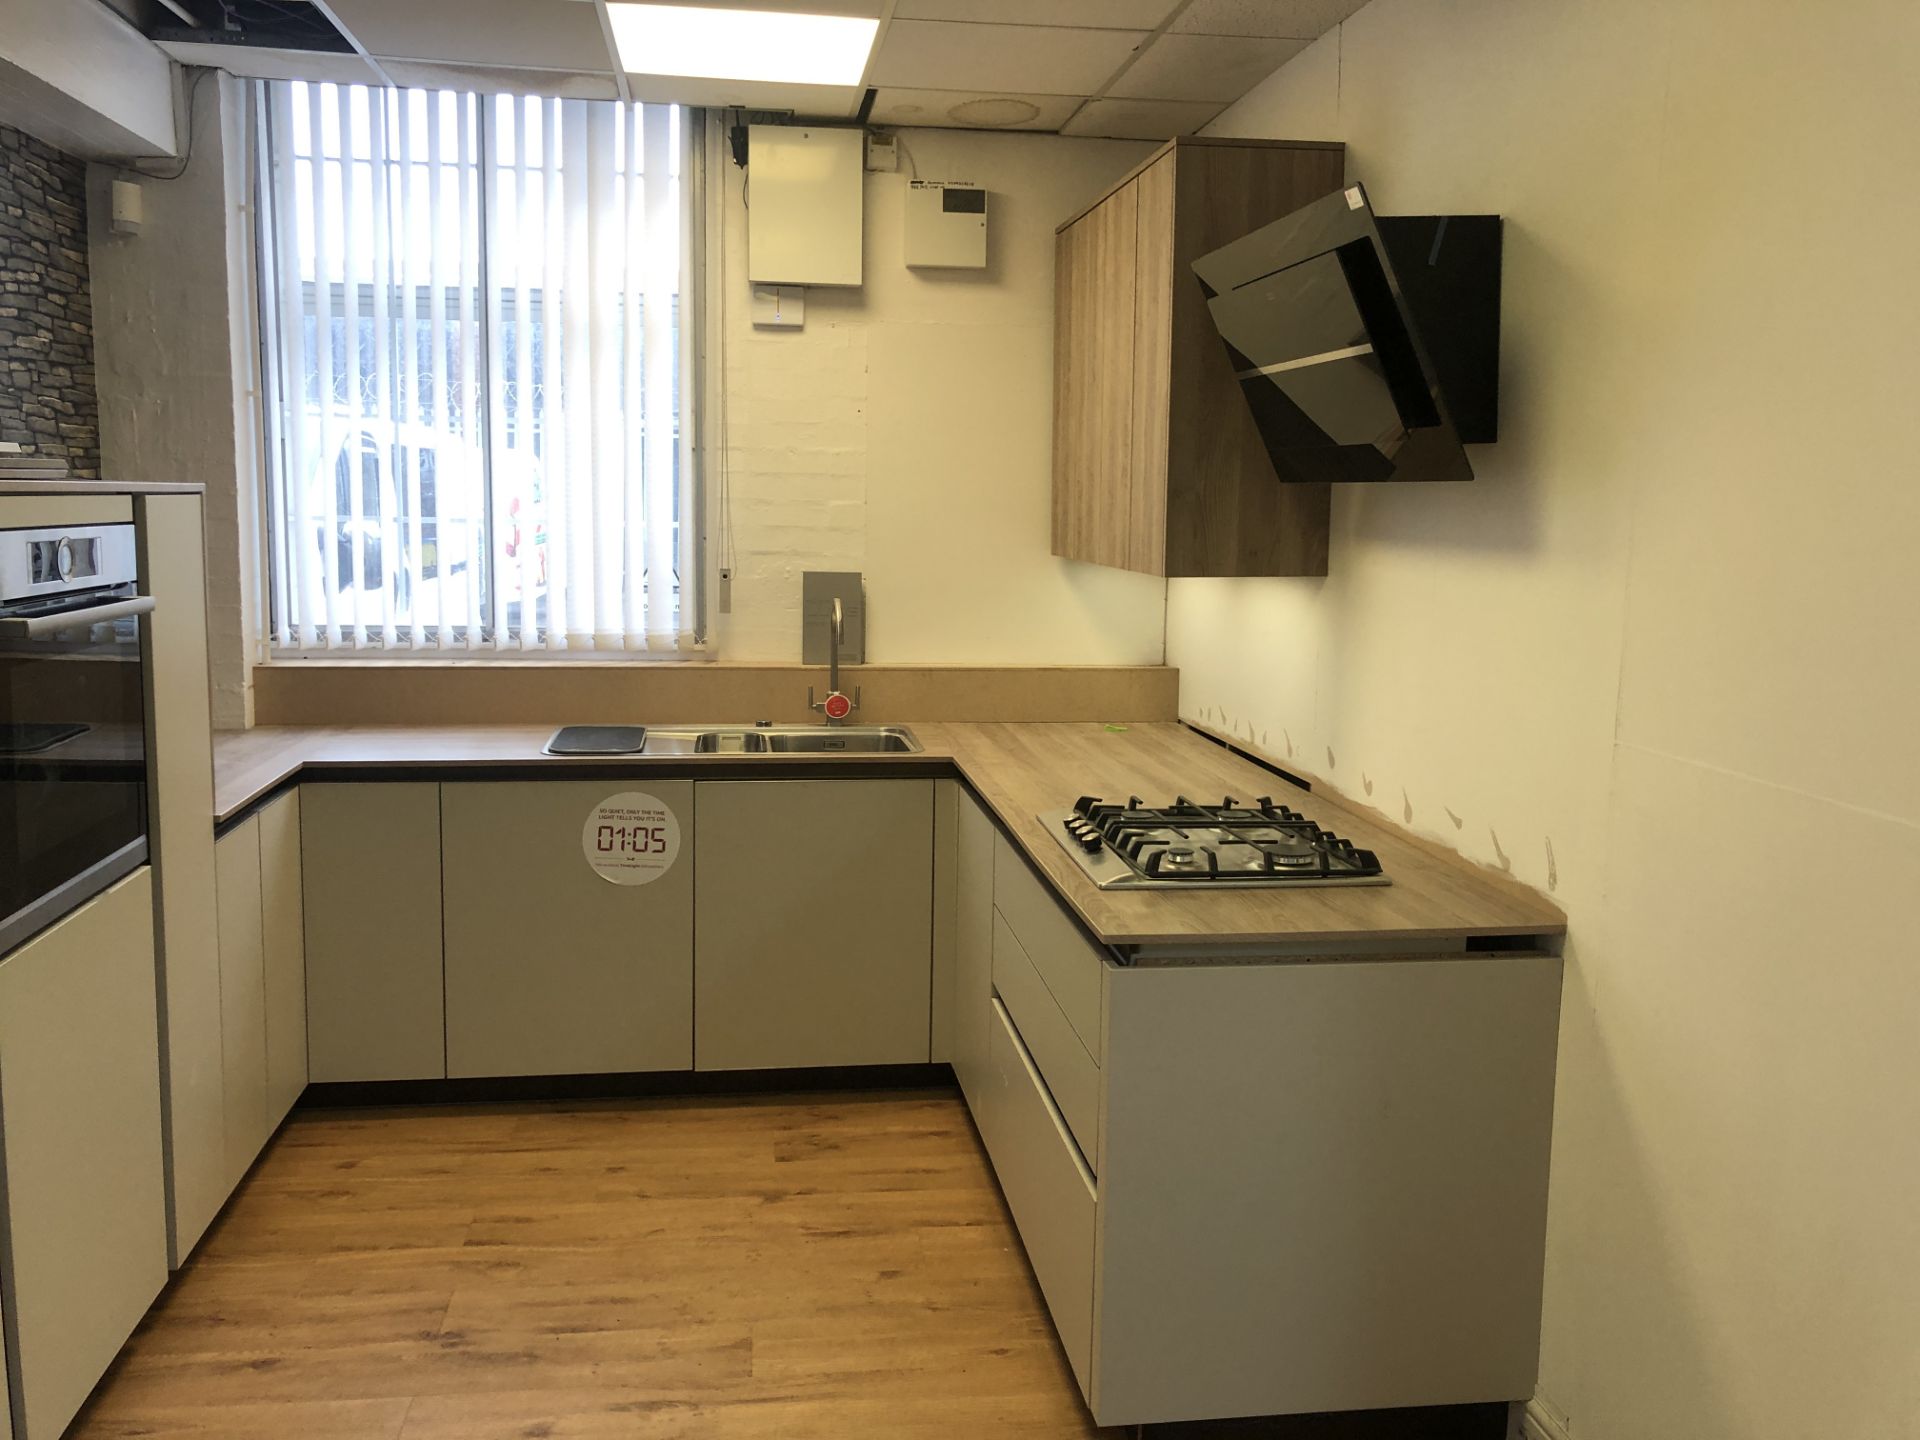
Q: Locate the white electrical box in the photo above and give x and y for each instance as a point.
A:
(946, 225)
(805, 186)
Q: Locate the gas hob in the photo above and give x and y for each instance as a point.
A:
(1229, 846)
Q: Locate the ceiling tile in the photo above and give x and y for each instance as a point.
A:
(971, 110)
(1295, 19)
(543, 34)
(1203, 67)
(1092, 14)
(1141, 119)
(1019, 59)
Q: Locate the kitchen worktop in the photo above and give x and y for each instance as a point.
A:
(1018, 770)
(20, 486)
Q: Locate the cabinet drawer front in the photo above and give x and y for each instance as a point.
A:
(1069, 1071)
(1048, 1188)
(1068, 962)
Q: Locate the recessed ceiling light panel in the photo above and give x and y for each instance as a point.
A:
(770, 45)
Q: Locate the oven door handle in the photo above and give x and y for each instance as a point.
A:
(38, 627)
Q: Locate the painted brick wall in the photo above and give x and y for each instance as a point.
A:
(47, 402)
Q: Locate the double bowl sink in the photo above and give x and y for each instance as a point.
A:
(734, 740)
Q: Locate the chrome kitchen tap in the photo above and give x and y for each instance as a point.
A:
(836, 706)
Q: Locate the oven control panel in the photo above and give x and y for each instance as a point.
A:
(37, 563)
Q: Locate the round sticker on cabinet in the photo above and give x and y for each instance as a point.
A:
(631, 838)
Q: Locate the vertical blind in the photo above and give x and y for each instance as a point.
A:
(476, 380)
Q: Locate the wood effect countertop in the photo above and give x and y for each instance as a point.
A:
(18, 486)
(1017, 770)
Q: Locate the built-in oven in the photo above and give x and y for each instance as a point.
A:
(73, 721)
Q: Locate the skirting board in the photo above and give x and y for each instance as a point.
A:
(1537, 1422)
(376, 692)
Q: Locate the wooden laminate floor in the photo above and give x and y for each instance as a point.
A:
(737, 1267)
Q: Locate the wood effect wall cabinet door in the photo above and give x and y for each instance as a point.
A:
(973, 957)
(172, 562)
(370, 873)
(813, 907)
(243, 996)
(84, 1174)
(1158, 466)
(1149, 371)
(552, 968)
(283, 938)
(1093, 383)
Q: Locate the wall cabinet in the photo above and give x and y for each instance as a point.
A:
(1157, 466)
(84, 1184)
(551, 968)
(813, 904)
(370, 866)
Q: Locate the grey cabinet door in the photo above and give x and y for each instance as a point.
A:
(370, 873)
(243, 996)
(80, 1113)
(552, 968)
(813, 923)
(973, 962)
(283, 936)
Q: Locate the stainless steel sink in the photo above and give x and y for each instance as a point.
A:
(782, 740)
(836, 739)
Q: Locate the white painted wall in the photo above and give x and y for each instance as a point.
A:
(906, 432)
(79, 77)
(176, 356)
(1660, 658)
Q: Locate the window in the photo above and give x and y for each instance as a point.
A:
(476, 381)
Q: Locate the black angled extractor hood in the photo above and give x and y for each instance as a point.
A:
(1367, 346)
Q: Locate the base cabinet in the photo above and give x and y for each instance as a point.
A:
(553, 968)
(263, 981)
(1264, 1189)
(813, 904)
(85, 1188)
(243, 996)
(284, 953)
(973, 946)
(370, 867)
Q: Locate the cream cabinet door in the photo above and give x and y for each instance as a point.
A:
(243, 996)
(553, 968)
(973, 963)
(283, 937)
(813, 905)
(80, 1116)
(181, 798)
(370, 873)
